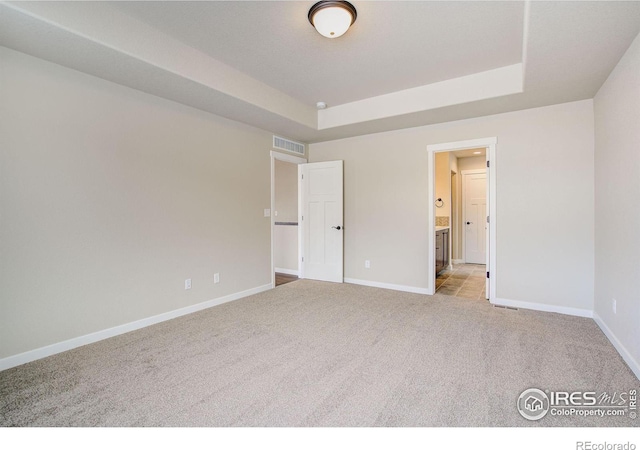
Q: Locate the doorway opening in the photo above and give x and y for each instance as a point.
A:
(460, 220)
(285, 245)
(461, 232)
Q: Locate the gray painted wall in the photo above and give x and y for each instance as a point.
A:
(545, 201)
(111, 198)
(617, 211)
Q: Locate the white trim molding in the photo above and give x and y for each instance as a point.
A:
(288, 158)
(626, 355)
(393, 287)
(293, 160)
(462, 145)
(59, 347)
(579, 312)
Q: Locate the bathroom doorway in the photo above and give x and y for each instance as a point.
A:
(460, 221)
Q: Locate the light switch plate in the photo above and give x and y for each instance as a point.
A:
(267, 213)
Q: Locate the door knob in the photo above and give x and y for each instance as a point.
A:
(337, 228)
(469, 223)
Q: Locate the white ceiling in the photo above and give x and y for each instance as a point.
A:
(402, 64)
(470, 153)
(389, 48)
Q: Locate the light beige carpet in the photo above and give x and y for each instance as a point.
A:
(320, 354)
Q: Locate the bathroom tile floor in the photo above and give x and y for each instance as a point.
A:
(463, 280)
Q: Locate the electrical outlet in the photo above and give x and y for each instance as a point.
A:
(367, 264)
(216, 278)
(267, 213)
(187, 283)
(614, 306)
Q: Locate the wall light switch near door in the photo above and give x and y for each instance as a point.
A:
(267, 213)
(187, 283)
(216, 278)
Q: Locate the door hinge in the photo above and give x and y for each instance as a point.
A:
(487, 274)
(302, 218)
(303, 176)
(487, 163)
(303, 259)
(487, 219)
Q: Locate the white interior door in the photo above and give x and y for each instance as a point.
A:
(321, 219)
(474, 192)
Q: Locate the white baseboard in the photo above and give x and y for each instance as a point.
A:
(628, 358)
(457, 261)
(542, 307)
(287, 271)
(394, 287)
(43, 352)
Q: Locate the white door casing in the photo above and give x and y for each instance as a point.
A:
(474, 216)
(489, 244)
(321, 220)
(490, 144)
(290, 159)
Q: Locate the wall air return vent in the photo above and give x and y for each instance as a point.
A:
(286, 144)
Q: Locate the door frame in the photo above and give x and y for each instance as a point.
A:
(490, 144)
(455, 215)
(294, 160)
(464, 210)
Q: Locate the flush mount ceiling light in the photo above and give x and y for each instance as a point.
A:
(332, 19)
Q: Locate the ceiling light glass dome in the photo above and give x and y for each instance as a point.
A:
(332, 19)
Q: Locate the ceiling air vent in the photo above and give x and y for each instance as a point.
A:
(286, 144)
